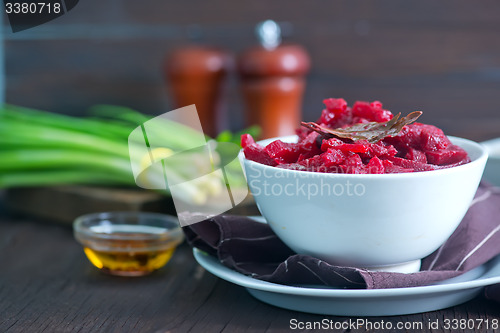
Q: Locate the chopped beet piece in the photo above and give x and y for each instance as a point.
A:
(336, 113)
(421, 137)
(407, 138)
(392, 168)
(371, 111)
(432, 138)
(247, 140)
(408, 164)
(333, 157)
(331, 143)
(375, 166)
(302, 157)
(327, 117)
(416, 155)
(314, 164)
(354, 147)
(354, 164)
(283, 152)
(453, 154)
(257, 154)
(335, 104)
(383, 149)
(308, 147)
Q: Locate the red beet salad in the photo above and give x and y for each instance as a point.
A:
(415, 147)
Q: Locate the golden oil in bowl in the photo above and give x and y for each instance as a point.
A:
(128, 243)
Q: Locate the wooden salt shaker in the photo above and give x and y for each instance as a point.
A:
(196, 76)
(273, 82)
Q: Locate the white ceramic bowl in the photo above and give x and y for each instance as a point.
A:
(379, 222)
(492, 170)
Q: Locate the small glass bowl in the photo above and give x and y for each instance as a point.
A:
(128, 243)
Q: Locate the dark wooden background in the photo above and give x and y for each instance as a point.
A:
(442, 57)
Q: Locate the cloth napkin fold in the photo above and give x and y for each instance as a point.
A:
(252, 248)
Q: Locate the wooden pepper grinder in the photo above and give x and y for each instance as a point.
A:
(196, 75)
(273, 82)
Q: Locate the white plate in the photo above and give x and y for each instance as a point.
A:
(361, 302)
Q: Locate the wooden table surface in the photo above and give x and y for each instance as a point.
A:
(47, 285)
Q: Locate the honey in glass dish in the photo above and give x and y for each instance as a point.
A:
(128, 244)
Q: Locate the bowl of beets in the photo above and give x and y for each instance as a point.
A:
(362, 187)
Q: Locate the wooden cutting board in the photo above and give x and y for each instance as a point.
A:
(64, 203)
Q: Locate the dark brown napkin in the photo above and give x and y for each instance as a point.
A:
(253, 249)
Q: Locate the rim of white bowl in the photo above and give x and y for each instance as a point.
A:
(480, 148)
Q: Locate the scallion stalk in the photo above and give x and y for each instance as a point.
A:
(42, 148)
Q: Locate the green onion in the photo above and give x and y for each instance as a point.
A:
(39, 148)
(59, 177)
